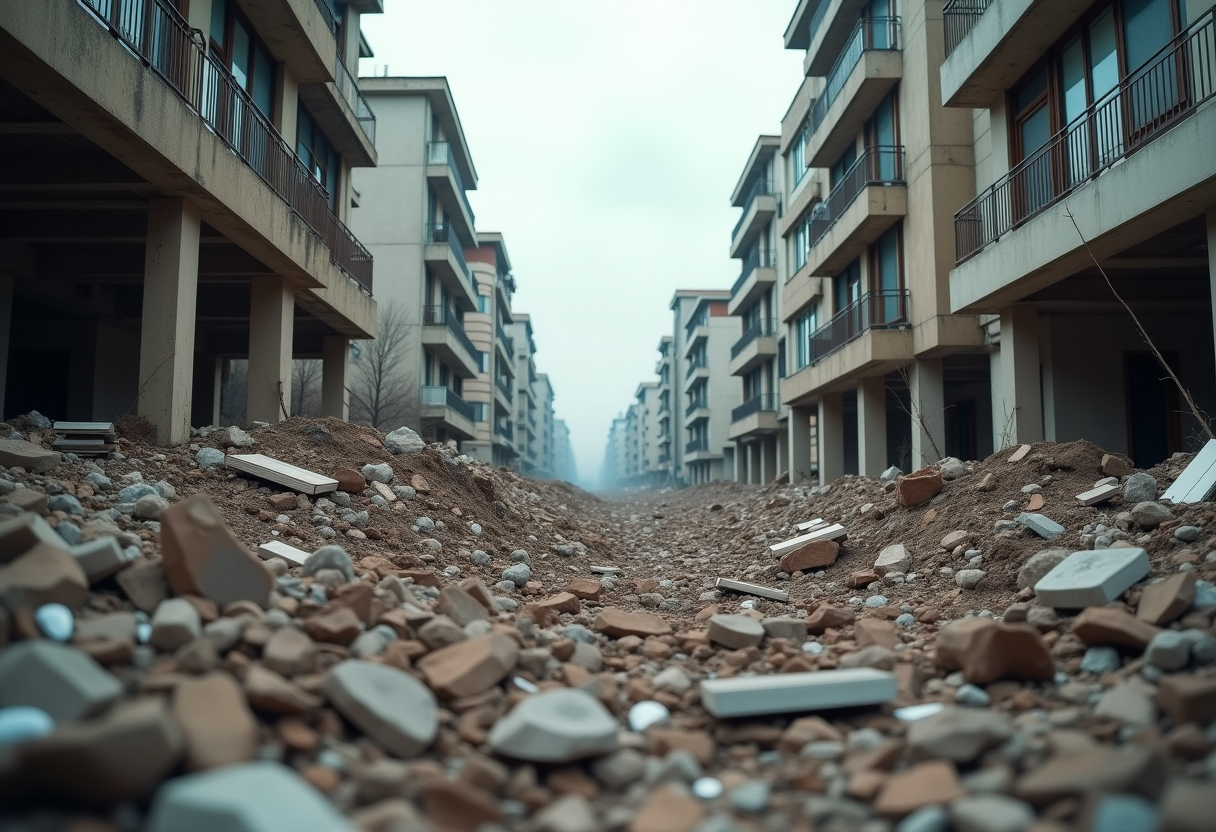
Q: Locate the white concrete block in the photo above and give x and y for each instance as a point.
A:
(752, 589)
(1098, 494)
(811, 525)
(1198, 480)
(830, 532)
(279, 549)
(793, 692)
(1092, 578)
(285, 474)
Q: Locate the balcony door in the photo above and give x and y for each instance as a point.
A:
(881, 24)
(882, 134)
(886, 281)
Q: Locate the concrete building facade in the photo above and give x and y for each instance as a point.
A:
(177, 195)
(495, 287)
(705, 333)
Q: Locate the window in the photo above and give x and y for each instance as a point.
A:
(798, 155)
(804, 327)
(317, 154)
(886, 280)
(802, 242)
(243, 54)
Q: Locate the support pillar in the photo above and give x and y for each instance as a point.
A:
(740, 474)
(872, 426)
(166, 345)
(1021, 413)
(928, 412)
(271, 321)
(783, 450)
(335, 366)
(831, 437)
(6, 333)
(768, 460)
(1211, 217)
(799, 442)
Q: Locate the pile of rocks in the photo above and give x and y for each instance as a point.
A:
(155, 673)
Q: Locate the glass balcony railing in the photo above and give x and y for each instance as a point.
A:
(694, 405)
(440, 153)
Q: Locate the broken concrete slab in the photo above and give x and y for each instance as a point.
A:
(61, 680)
(1041, 525)
(556, 726)
(617, 623)
(791, 692)
(281, 473)
(987, 650)
(390, 706)
(279, 549)
(17, 453)
(470, 667)
(810, 525)
(894, 558)
(1197, 482)
(735, 631)
(1166, 601)
(101, 558)
(1092, 578)
(752, 589)
(20, 534)
(835, 531)
(1098, 494)
(203, 557)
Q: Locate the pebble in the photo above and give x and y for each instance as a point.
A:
(23, 722)
(1100, 660)
(381, 472)
(875, 601)
(707, 788)
(752, 797)
(969, 578)
(906, 619)
(555, 726)
(972, 696)
(55, 621)
(518, 575)
(1168, 650)
(644, 714)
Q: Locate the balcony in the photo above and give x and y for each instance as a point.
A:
(443, 252)
(759, 274)
(696, 369)
(879, 310)
(759, 207)
(443, 175)
(443, 405)
(505, 341)
(697, 445)
(828, 33)
(701, 403)
(344, 115)
(870, 197)
(757, 415)
(870, 65)
(503, 385)
(990, 46)
(757, 345)
(1160, 94)
(444, 335)
(163, 40)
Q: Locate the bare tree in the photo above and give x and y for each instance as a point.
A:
(384, 388)
(306, 387)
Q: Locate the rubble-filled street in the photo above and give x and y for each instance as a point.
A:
(1021, 643)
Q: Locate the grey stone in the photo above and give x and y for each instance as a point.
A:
(1205, 596)
(17, 453)
(70, 532)
(98, 481)
(958, 734)
(391, 707)
(969, 578)
(1187, 534)
(165, 489)
(1203, 647)
(1039, 565)
(66, 503)
(875, 655)
(990, 813)
(555, 726)
(735, 631)
(570, 813)
(1168, 650)
(481, 558)
(208, 458)
(1041, 525)
(952, 468)
(791, 628)
(1128, 703)
(100, 558)
(132, 493)
(175, 622)
(329, 557)
(673, 679)
(519, 574)
(377, 472)
(890, 474)
(620, 768)
(1139, 488)
(1125, 813)
(234, 437)
(150, 506)
(404, 440)
(404, 492)
(225, 633)
(875, 601)
(972, 696)
(752, 797)
(1150, 515)
(1100, 660)
(894, 558)
(61, 680)
(262, 796)
(1092, 578)
(55, 621)
(925, 819)
(520, 556)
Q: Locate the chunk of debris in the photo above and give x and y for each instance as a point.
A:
(752, 589)
(791, 692)
(1092, 578)
(281, 473)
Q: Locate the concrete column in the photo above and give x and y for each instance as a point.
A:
(1211, 216)
(287, 105)
(754, 467)
(335, 364)
(831, 437)
(768, 460)
(166, 346)
(6, 333)
(271, 319)
(872, 426)
(783, 452)
(928, 412)
(739, 472)
(799, 442)
(1021, 390)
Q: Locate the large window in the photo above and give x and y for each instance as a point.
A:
(317, 153)
(798, 154)
(804, 327)
(886, 278)
(802, 241)
(249, 61)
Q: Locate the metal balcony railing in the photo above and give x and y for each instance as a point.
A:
(165, 43)
(330, 13)
(694, 405)
(764, 403)
(1149, 101)
(446, 397)
(757, 258)
(876, 166)
(695, 365)
(959, 17)
(885, 309)
(348, 88)
(442, 316)
(508, 343)
(440, 153)
(442, 232)
(505, 387)
(812, 29)
(763, 328)
(504, 429)
(870, 34)
(695, 445)
(761, 187)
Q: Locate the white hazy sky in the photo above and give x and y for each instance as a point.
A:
(607, 136)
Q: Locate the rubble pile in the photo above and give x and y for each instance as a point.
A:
(438, 645)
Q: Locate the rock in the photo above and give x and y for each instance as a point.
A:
(1139, 488)
(65, 503)
(969, 578)
(735, 631)
(1188, 534)
(469, 667)
(958, 734)
(440, 631)
(894, 558)
(144, 582)
(404, 440)
(55, 621)
(289, 652)
(1132, 767)
(874, 656)
(791, 628)
(349, 480)
(1098, 660)
(1187, 806)
(120, 756)
(60, 680)
(391, 707)
(673, 679)
(100, 558)
(826, 617)
(251, 797)
(667, 809)
(555, 726)
(44, 574)
(986, 651)
(1092, 578)
(1040, 524)
(1127, 703)
(218, 728)
(28, 499)
(890, 474)
(175, 622)
(460, 606)
(1186, 698)
(338, 625)
(617, 623)
(955, 539)
(952, 468)
(21, 723)
(990, 813)
(203, 557)
(571, 813)
(921, 785)
(132, 493)
(1118, 466)
(1111, 626)
(234, 437)
(1169, 650)
(1150, 515)
(329, 557)
(17, 453)
(269, 692)
(209, 458)
(814, 555)
(22, 533)
(918, 487)
(377, 472)
(751, 798)
(519, 574)
(871, 631)
(1039, 565)
(150, 507)
(620, 768)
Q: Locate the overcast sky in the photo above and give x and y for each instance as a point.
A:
(607, 135)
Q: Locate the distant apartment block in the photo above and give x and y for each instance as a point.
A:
(491, 268)
(177, 195)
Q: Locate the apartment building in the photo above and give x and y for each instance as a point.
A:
(705, 332)
(616, 470)
(563, 454)
(759, 425)
(664, 442)
(542, 392)
(1093, 130)
(523, 398)
(491, 267)
(176, 195)
(878, 364)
